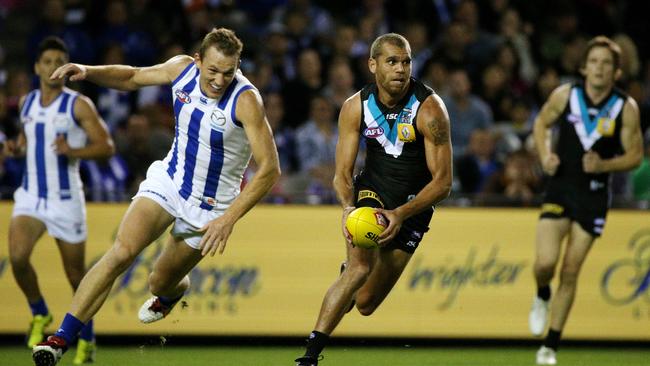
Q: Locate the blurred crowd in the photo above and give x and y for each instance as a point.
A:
(494, 62)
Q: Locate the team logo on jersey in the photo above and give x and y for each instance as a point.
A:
(373, 132)
(218, 119)
(406, 132)
(183, 96)
(605, 126)
(61, 124)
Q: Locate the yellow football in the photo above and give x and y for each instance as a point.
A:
(365, 224)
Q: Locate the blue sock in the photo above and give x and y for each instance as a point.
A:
(169, 302)
(69, 329)
(87, 332)
(39, 307)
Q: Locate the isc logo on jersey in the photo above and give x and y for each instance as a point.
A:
(183, 96)
(373, 132)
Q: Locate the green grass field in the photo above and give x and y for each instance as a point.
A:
(343, 356)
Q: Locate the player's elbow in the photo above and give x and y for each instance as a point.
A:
(109, 149)
(443, 181)
(271, 172)
(637, 160)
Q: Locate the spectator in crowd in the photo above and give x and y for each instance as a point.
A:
(451, 47)
(11, 170)
(138, 46)
(276, 51)
(421, 51)
(134, 146)
(53, 23)
(8, 123)
(298, 93)
(316, 145)
(481, 45)
(114, 105)
(511, 30)
(495, 91)
(515, 185)
(548, 80)
(340, 84)
(478, 164)
(467, 110)
(435, 75)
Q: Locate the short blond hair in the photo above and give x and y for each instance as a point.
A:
(222, 39)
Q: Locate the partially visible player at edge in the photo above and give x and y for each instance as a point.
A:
(407, 171)
(220, 121)
(59, 127)
(599, 133)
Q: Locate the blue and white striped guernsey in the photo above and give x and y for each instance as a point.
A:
(210, 150)
(49, 175)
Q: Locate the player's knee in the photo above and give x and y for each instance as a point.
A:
(366, 308)
(544, 267)
(74, 277)
(19, 262)
(358, 273)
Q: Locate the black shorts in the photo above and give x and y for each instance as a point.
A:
(412, 231)
(588, 210)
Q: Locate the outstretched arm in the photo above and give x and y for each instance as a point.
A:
(433, 124)
(125, 77)
(250, 112)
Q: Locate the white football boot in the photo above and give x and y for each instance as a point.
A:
(153, 310)
(546, 356)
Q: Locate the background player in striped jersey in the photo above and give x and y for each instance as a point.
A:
(598, 133)
(59, 127)
(220, 120)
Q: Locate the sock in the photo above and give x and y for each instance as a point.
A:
(315, 344)
(87, 332)
(39, 307)
(544, 293)
(69, 328)
(169, 301)
(553, 339)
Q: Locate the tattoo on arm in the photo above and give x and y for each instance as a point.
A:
(439, 130)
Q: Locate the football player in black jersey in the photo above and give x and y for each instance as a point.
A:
(598, 133)
(408, 169)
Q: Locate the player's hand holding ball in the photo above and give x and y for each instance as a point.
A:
(365, 225)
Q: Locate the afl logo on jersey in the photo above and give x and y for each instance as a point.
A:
(218, 119)
(373, 132)
(183, 96)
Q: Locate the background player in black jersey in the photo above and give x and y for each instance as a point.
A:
(407, 171)
(598, 133)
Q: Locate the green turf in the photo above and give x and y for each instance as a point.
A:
(342, 356)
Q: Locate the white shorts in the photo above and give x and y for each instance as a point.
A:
(64, 219)
(190, 217)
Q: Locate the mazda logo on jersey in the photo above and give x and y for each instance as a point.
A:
(183, 96)
(218, 119)
(373, 132)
